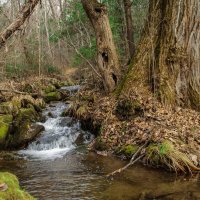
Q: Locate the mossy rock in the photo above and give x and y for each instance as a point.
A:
(22, 126)
(26, 115)
(13, 192)
(126, 108)
(128, 150)
(49, 89)
(52, 96)
(5, 126)
(9, 107)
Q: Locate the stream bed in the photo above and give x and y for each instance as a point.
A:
(57, 166)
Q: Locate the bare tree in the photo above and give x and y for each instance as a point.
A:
(25, 12)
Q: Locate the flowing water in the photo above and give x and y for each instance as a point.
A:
(57, 166)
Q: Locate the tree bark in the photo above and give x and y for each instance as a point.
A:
(25, 12)
(129, 27)
(167, 60)
(108, 61)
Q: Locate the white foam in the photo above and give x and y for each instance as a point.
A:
(56, 140)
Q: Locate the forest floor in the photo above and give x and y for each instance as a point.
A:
(165, 137)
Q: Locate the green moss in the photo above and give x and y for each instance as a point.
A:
(6, 118)
(5, 121)
(14, 192)
(9, 107)
(129, 150)
(52, 96)
(4, 129)
(50, 88)
(166, 154)
(26, 114)
(6, 108)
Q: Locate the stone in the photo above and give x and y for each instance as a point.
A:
(7, 108)
(24, 128)
(5, 127)
(52, 96)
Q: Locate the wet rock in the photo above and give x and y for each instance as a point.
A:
(67, 121)
(5, 128)
(10, 189)
(79, 140)
(7, 156)
(52, 96)
(24, 130)
(50, 114)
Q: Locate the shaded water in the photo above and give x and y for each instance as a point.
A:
(57, 167)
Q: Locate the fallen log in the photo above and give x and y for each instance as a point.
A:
(19, 92)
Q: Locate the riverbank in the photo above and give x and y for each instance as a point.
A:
(124, 124)
(21, 106)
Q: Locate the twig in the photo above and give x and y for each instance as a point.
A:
(133, 160)
(80, 54)
(125, 167)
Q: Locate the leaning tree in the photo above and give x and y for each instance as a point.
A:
(107, 58)
(22, 16)
(167, 61)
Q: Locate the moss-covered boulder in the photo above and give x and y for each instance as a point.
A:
(10, 188)
(52, 96)
(49, 89)
(9, 107)
(5, 127)
(26, 100)
(24, 128)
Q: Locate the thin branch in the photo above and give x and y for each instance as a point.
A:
(18, 92)
(25, 12)
(79, 53)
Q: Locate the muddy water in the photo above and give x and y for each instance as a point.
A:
(57, 167)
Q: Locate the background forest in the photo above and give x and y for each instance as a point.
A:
(58, 38)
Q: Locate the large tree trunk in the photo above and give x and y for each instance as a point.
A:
(107, 57)
(129, 27)
(25, 12)
(167, 61)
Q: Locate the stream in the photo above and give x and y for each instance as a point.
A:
(57, 166)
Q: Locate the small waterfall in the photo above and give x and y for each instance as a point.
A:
(59, 136)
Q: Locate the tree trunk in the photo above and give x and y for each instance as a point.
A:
(108, 61)
(167, 61)
(129, 27)
(25, 12)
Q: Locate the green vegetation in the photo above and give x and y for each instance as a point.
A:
(13, 192)
(128, 150)
(166, 154)
(52, 96)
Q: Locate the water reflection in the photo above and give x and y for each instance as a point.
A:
(80, 175)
